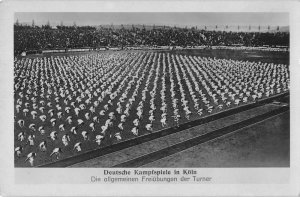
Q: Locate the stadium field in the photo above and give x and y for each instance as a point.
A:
(277, 57)
(70, 104)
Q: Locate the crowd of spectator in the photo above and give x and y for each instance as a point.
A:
(28, 38)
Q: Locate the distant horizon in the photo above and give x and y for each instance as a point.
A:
(179, 19)
(208, 28)
(148, 25)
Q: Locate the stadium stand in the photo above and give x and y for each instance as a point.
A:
(74, 37)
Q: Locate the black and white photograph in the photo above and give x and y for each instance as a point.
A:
(149, 98)
(151, 89)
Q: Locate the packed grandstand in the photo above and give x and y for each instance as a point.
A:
(71, 37)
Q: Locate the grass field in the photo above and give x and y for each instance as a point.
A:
(277, 57)
(119, 73)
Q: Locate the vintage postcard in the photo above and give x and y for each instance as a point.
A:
(127, 98)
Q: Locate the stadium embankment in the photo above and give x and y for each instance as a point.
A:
(261, 145)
